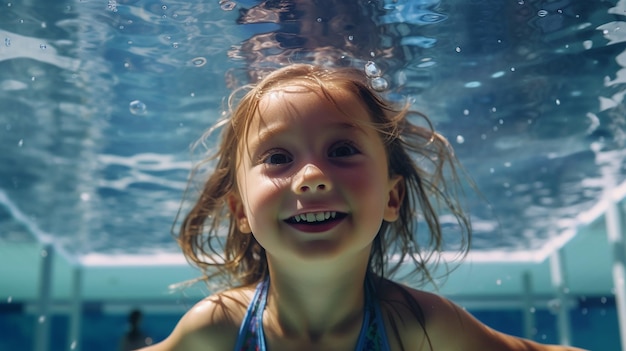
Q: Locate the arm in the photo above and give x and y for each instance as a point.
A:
(449, 327)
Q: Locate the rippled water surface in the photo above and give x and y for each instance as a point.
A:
(99, 102)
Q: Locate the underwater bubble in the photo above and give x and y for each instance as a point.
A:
(227, 5)
(379, 84)
(20, 143)
(558, 102)
(9, 299)
(44, 253)
(457, 49)
(85, 197)
(42, 319)
(542, 13)
(175, 45)
(137, 108)
(7, 42)
(73, 345)
(43, 46)
(460, 139)
(372, 70)
(498, 281)
(472, 84)
(164, 7)
(198, 61)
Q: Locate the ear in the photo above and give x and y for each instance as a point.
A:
(396, 195)
(238, 213)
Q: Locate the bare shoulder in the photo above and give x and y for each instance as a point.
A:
(211, 324)
(442, 325)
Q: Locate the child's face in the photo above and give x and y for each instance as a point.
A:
(313, 181)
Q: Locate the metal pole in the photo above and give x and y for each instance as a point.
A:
(559, 283)
(76, 309)
(529, 308)
(42, 322)
(614, 219)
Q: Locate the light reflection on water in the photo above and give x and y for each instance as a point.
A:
(90, 91)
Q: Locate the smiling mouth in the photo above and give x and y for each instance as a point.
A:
(316, 217)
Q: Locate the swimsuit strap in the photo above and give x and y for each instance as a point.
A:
(251, 336)
(372, 336)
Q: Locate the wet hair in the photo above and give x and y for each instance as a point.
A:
(423, 158)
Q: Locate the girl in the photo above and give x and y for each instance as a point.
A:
(317, 179)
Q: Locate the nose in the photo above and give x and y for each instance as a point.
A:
(312, 180)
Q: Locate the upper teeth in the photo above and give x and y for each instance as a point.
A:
(315, 216)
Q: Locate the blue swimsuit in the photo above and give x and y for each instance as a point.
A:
(252, 338)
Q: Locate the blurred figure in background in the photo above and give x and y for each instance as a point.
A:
(134, 338)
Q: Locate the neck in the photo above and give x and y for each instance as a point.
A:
(315, 301)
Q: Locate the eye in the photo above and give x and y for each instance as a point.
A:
(276, 158)
(343, 149)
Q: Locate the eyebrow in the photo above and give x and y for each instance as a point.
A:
(267, 133)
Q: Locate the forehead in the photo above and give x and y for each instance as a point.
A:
(291, 103)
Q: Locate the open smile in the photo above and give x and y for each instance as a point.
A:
(316, 217)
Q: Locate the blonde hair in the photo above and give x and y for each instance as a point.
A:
(428, 187)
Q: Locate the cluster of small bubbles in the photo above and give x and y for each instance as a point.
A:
(198, 61)
(542, 13)
(372, 70)
(379, 84)
(7, 42)
(137, 108)
(227, 5)
(460, 139)
(112, 6)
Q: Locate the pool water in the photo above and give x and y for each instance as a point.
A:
(100, 100)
